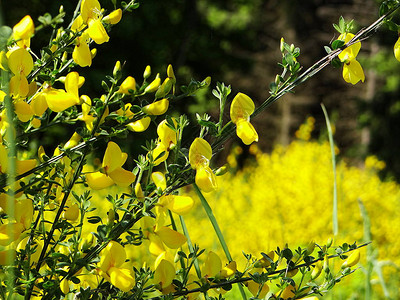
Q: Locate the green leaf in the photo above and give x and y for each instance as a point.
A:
(392, 25)
(337, 28)
(383, 9)
(327, 49)
(5, 33)
(337, 44)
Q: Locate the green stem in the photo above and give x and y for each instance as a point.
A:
(218, 231)
(335, 200)
(11, 171)
(190, 245)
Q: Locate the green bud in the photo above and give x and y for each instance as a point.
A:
(282, 45)
(207, 81)
(222, 170)
(164, 88)
(277, 79)
(329, 243)
(110, 217)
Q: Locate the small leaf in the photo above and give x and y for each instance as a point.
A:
(337, 44)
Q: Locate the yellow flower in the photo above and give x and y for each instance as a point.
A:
(23, 31)
(20, 63)
(212, 265)
(153, 86)
(241, 109)
(128, 84)
(113, 160)
(160, 236)
(81, 54)
(200, 153)
(254, 287)
(352, 70)
(111, 268)
(156, 108)
(352, 260)
(91, 15)
(167, 138)
(164, 274)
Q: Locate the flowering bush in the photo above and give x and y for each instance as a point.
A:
(54, 241)
(297, 181)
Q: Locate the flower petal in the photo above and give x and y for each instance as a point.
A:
(246, 132)
(241, 108)
(200, 153)
(206, 179)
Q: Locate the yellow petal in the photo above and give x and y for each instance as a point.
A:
(24, 166)
(20, 61)
(23, 111)
(212, 265)
(353, 72)
(81, 54)
(396, 49)
(246, 132)
(128, 84)
(200, 153)
(39, 104)
(206, 179)
(122, 278)
(288, 292)
(19, 86)
(122, 177)
(139, 125)
(156, 246)
(24, 29)
(72, 81)
(157, 108)
(254, 288)
(59, 100)
(153, 86)
(171, 238)
(352, 260)
(10, 232)
(114, 17)
(241, 108)
(164, 273)
(73, 141)
(229, 270)
(180, 204)
(351, 52)
(159, 180)
(90, 9)
(113, 157)
(156, 154)
(166, 134)
(97, 32)
(113, 255)
(24, 212)
(98, 181)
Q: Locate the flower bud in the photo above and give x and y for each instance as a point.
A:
(222, 170)
(352, 260)
(110, 217)
(153, 86)
(282, 45)
(317, 270)
(114, 17)
(147, 72)
(117, 68)
(171, 74)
